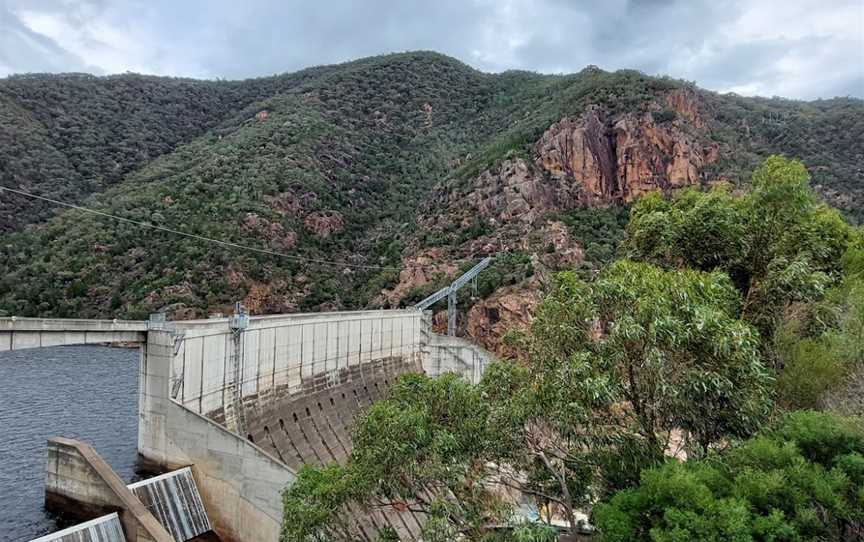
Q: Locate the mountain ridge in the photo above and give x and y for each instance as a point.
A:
(356, 163)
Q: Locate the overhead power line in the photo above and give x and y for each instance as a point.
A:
(198, 237)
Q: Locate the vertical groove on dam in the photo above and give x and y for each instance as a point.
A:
(313, 426)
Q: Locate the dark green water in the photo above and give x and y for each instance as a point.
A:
(83, 392)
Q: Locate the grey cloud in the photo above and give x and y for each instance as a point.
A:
(298, 34)
(690, 39)
(24, 51)
(738, 64)
(852, 85)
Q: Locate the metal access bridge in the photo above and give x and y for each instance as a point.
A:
(450, 293)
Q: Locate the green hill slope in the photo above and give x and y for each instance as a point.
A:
(72, 135)
(356, 163)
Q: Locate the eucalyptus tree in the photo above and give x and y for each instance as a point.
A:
(620, 364)
(428, 448)
(776, 241)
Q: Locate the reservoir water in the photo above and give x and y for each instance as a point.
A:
(83, 392)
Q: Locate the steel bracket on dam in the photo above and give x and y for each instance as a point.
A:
(245, 408)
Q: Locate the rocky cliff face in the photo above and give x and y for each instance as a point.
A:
(324, 223)
(690, 106)
(617, 159)
(581, 152)
(596, 159)
(514, 193)
(508, 307)
(426, 268)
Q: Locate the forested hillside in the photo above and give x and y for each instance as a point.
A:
(401, 169)
(69, 136)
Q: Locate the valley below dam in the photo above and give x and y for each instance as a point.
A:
(82, 392)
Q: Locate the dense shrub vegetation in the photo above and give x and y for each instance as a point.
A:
(800, 480)
(356, 140)
(794, 260)
(68, 136)
(687, 350)
(367, 139)
(600, 231)
(812, 132)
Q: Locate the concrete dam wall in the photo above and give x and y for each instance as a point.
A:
(212, 367)
(245, 408)
(245, 402)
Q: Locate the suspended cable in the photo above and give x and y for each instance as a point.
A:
(198, 237)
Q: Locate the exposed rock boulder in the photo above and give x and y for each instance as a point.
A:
(559, 249)
(176, 300)
(581, 150)
(515, 192)
(271, 298)
(687, 103)
(324, 223)
(419, 271)
(291, 202)
(273, 232)
(508, 308)
(513, 196)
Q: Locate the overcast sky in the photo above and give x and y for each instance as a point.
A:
(794, 48)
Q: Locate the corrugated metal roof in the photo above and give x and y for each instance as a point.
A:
(174, 500)
(104, 529)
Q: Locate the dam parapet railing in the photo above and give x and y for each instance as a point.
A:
(215, 371)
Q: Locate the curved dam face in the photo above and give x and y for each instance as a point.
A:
(313, 426)
(247, 407)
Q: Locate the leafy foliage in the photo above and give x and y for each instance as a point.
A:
(599, 230)
(422, 448)
(822, 344)
(776, 241)
(795, 261)
(801, 480)
(669, 343)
